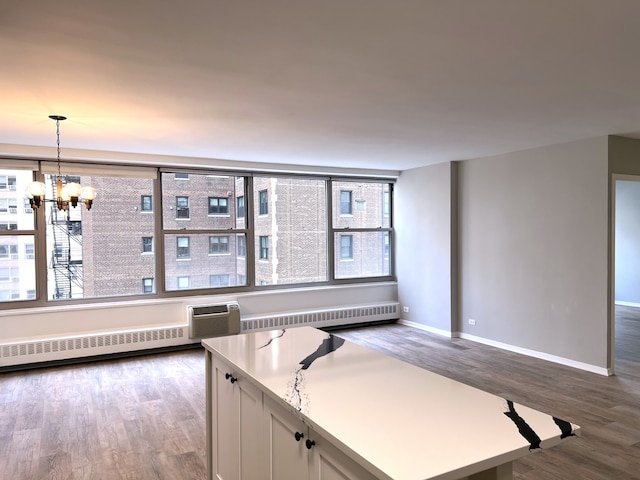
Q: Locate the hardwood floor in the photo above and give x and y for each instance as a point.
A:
(143, 418)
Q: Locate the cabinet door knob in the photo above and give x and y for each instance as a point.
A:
(310, 443)
(299, 436)
(230, 377)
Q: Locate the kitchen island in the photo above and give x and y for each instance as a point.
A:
(304, 404)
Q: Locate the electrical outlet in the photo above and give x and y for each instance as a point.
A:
(405, 309)
(472, 321)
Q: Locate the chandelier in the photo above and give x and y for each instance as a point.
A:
(69, 193)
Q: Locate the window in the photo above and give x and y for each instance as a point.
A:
(219, 280)
(147, 244)
(345, 202)
(218, 244)
(182, 207)
(4, 252)
(13, 205)
(346, 247)
(8, 226)
(242, 246)
(264, 202)
(264, 247)
(213, 229)
(364, 237)
(74, 227)
(146, 203)
(27, 206)
(4, 205)
(7, 182)
(218, 206)
(184, 283)
(181, 176)
(183, 248)
(105, 256)
(242, 279)
(5, 274)
(298, 214)
(29, 251)
(147, 285)
(240, 207)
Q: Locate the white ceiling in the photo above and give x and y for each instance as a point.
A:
(355, 83)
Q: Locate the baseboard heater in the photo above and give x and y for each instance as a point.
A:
(214, 320)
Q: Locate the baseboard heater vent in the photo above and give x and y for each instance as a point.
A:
(325, 318)
(213, 320)
(90, 345)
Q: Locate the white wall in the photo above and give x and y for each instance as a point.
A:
(627, 242)
(424, 223)
(71, 320)
(534, 250)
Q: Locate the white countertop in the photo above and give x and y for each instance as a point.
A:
(406, 422)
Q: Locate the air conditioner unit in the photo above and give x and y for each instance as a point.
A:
(214, 320)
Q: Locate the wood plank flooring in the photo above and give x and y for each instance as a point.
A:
(143, 417)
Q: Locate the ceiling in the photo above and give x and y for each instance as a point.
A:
(353, 83)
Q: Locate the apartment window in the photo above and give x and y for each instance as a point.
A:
(221, 280)
(264, 247)
(242, 279)
(242, 246)
(184, 283)
(218, 206)
(147, 244)
(31, 294)
(218, 244)
(8, 252)
(361, 205)
(4, 205)
(5, 274)
(181, 176)
(7, 182)
(8, 226)
(386, 203)
(29, 251)
(147, 285)
(74, 227)
(27, 206)
(346, 247)
(345, 202)
(182, 207)
(263, 197)
(183, 248)
(13, 205)
(386, 245)
(240, 207)
(146, 203)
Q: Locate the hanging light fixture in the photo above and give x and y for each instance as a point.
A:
(68, 194)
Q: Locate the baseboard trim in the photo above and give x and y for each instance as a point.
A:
(536, 354)
(427, 328)
(627, 304)
(511, 348)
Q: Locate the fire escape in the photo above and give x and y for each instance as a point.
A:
(66, 257)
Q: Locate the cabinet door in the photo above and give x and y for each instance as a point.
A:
(225, 428)
(326, 462)
(288, 457)
(252, 464)
(237, 426)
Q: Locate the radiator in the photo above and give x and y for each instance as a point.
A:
(213, 320)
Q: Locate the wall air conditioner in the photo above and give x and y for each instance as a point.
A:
(214, 320)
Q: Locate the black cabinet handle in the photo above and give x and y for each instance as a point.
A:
(299, 436)
(230, 377)
(310, 443)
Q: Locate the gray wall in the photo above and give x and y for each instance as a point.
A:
(534, 251)
(627, 243)
(425, 222)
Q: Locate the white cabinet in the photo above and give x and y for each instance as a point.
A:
(235, 425)
(296, 452)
